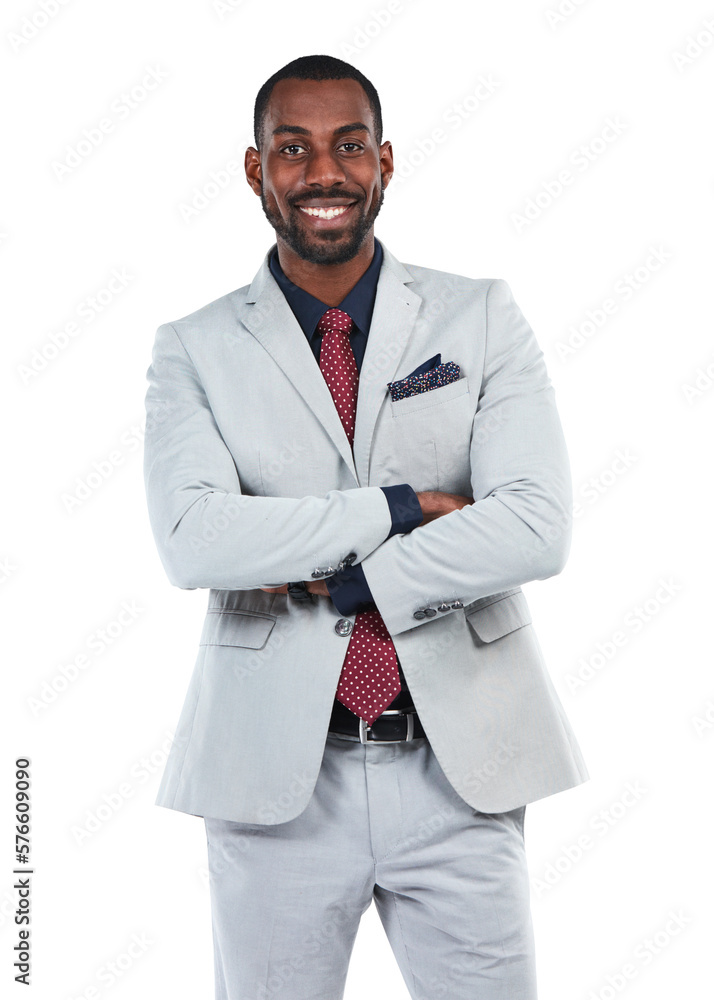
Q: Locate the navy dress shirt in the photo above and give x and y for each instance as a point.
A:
(348, 588)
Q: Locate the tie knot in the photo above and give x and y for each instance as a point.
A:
(335, 320)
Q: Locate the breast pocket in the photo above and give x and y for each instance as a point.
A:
(236, 628)
(425, 439)
(430, 398)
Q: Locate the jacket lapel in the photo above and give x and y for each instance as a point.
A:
(393, 319)
(271, 321)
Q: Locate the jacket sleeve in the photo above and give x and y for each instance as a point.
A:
(207, 532)
(519, 527)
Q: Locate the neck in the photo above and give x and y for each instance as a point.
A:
(328, 282)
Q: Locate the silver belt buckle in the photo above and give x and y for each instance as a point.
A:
(364, 728)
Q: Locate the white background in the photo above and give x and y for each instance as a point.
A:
(640, 442)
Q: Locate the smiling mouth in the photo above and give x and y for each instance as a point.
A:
(325, 213)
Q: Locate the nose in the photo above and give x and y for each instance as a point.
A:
(324, 168)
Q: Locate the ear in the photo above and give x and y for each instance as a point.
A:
(253, 169)
(386, 162)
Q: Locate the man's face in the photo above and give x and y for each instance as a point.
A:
(320, 173)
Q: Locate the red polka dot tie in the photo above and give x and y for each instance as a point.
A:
(370, 675)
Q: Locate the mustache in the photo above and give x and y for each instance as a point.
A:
(298, 199)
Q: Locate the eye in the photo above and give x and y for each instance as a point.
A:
(355, 147)
(292, 149)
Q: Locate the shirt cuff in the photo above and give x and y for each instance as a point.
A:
(350, 591)
(404, 507)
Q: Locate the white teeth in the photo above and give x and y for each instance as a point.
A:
(325, 213)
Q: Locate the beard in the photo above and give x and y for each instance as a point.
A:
(328, 246)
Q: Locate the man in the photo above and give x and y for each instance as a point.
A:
(363, 462)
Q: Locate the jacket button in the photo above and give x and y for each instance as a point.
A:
(343, 626)
(419, 615)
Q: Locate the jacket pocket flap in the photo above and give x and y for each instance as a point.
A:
(502, 616)
(236, 628)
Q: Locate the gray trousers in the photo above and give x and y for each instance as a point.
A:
(450, 885)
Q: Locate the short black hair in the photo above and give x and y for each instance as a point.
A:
(316, 68)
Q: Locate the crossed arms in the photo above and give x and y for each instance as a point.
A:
(433, 504)
(516, 528)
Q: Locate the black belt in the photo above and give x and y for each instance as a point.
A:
(393, 726)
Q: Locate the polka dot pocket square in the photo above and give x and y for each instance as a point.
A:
(424, 378)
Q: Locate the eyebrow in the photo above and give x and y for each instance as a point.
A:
(299, 130)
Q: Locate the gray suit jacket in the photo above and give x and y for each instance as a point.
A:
(251, 482)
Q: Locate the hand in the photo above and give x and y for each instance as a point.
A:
(434, 504)
(314, 587)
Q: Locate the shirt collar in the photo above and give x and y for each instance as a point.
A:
(358, 303)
